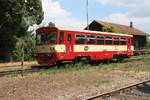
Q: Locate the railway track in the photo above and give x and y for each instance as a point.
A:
(122, 92)
(18, 70)
(102, 96)
(28, 69)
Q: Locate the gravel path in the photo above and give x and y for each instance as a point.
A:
(66, 86)
(141, 92)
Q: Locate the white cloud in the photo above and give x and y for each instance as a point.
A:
(120, 18)
(126, 3)
(141, 10)
(117, 18)
(53, 12)
(138, 12)
(137, 8)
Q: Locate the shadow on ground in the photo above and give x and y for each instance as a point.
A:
(145, 88)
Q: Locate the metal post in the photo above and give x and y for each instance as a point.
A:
(87, 13)
(22, 58)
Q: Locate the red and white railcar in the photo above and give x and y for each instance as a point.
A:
(58, 44)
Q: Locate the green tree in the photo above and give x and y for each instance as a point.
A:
(108, 29)
(125, 32)
(29, 47)
(15, 18)
(148, 43)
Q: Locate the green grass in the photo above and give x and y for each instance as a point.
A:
(136, 65)
(141, 64)
(95, 82)
(14, 74)
(66, 68)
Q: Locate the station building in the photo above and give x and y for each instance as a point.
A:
(139, 37)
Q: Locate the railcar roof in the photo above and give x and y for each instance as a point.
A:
(89, 31)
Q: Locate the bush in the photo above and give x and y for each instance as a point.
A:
(109, 29)
(148, 43)
(29, 47)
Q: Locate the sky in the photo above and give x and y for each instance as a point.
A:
(72, 13)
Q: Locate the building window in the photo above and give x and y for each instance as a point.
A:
(61, 39)
(91, 39)
(100, 40)
(69, 38)
(123, 41)
(80, 39)
(108, 40)
(116, 41)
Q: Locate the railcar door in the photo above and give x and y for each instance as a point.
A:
(69, 44)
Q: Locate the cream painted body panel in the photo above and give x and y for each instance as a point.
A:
(80, 48)
(132, 48)
(97, 48)
(50, 48)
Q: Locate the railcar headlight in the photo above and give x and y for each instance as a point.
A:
(48, 55)
(35, 55)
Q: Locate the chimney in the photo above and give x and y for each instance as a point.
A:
(131, 24)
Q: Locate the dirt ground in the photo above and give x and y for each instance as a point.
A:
(73, 85)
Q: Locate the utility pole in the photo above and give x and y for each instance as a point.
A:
(87, 13)
(22, 57)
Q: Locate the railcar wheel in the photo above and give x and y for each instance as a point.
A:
(83, 60)
(59, 63)
(120, 58)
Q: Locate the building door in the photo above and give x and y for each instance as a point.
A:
(136, 45)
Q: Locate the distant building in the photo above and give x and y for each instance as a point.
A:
(139, 37)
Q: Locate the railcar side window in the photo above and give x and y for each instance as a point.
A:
(80, 39)
(69, 38)
(108, 40)
(61, 39)
(91, 39)
(116, 41)
(123, 41)
(100, 39)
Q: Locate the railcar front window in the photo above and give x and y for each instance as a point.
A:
(51, 38)
(46, 38)
(40, 38)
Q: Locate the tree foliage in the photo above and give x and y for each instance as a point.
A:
(108, 29)
(125, 32)
(148, 43)
(29, 47)
(15, 18)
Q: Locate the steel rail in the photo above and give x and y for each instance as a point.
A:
(18, 71)
(111, 93)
